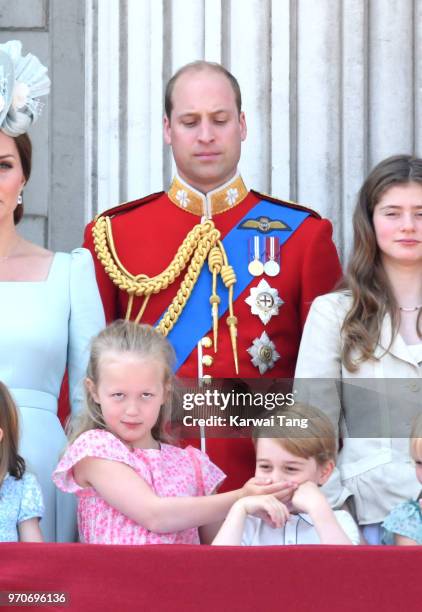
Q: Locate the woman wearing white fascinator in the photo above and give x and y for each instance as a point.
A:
(49, 302)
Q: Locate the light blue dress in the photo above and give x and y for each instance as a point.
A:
(406, 520)
(45, 326)
(20, 500)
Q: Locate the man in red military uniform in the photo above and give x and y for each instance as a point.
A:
(226, 273)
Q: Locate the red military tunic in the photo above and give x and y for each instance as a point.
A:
(147, 234)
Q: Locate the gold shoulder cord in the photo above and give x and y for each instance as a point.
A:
(201, 243)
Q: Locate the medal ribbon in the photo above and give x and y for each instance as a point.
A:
(195, 320)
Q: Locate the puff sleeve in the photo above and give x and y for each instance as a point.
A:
(86, 320)
(405, 520)
(208, 475)
(108, 290)
(93, 443)
(31, 501)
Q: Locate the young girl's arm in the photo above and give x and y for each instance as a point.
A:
(31, 510)
(208, 532)
(29, 530)
(400, 540)
(266, 507)
(125, 490)
(402, 526)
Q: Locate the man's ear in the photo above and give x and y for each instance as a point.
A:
(1, 434)
(92, 389)
(166, 130)
(325, 471)
(243, 126)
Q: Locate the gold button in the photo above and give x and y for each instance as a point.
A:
(207, 360)
(414, 386)
(206, 342)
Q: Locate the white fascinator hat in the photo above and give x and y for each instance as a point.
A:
(23, 79)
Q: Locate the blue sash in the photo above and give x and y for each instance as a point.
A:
(195, 320)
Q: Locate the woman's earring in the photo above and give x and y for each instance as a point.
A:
(20, 199)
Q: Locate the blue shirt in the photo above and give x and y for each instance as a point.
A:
(20, 500)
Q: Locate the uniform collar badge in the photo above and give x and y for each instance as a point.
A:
(263, 353)
(264, 301)
(218, 200)
(265, 225)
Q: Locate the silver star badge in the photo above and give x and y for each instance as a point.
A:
(263, 353)
(264, 301)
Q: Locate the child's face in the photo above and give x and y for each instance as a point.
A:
(130, 392)
(275, 462)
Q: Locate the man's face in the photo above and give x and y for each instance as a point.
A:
(205, 129)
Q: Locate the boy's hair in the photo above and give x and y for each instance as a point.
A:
(317, 439)
(416, 438)
(125, 337)
(10, 461)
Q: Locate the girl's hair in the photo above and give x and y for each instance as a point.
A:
(306, 432)
(126, 337)
(10, 461)
(366, 280)
(416, 439)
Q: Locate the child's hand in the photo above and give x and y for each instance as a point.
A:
(267, 508)
(308, 497)
(282, 490)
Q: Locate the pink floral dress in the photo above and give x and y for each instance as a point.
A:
(169, 471)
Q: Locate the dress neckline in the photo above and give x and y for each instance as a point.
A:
(136, 449)
(40, 282)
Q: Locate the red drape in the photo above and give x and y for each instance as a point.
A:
(192, 578)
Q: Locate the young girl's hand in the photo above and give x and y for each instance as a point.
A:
(267, 508)
(282, 490)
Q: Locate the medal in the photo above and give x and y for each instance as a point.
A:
(263, 353)
(255, 267)
(271, 267)
(264, 301)
(272, 253)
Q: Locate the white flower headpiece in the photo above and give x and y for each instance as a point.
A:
(23, 79)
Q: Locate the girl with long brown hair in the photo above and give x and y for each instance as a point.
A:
(368, 335)
(21, 505)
